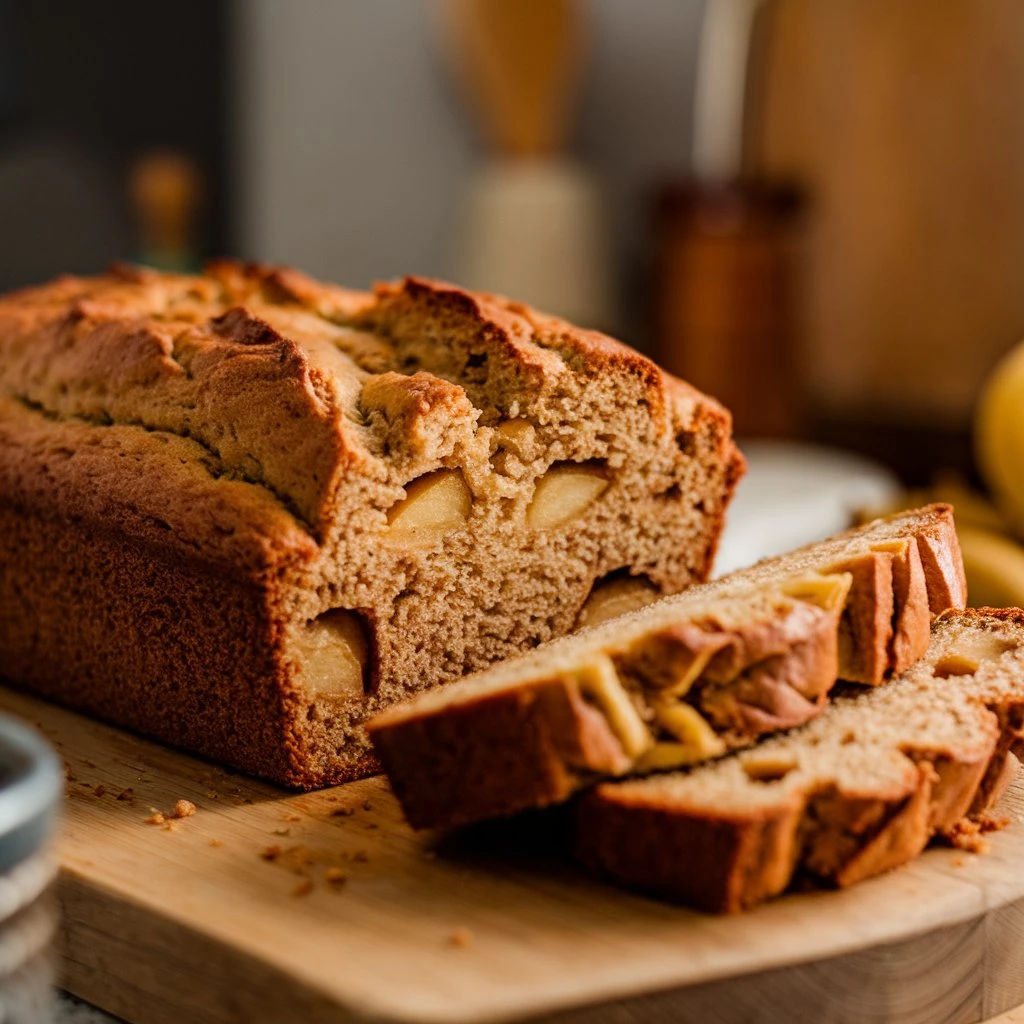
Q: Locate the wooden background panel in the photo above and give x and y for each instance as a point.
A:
(904, 121)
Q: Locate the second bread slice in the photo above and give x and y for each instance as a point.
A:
(681, 681)
(861, 789)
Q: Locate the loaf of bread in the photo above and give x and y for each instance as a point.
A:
(683, 680)
(859, 790)
(240, 512)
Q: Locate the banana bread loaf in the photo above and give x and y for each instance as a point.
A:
(680, 681)
(859, 790)
(240, 512)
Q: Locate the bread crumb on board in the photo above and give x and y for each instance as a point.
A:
(461, 938)
(968, 834)
(335, 877)
(184, 809)
(216, 842)
(303, 888)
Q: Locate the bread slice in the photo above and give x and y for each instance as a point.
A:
(859, 790)
(243, 511)
(680, 681)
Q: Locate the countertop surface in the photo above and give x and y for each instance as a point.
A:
(70, 1010)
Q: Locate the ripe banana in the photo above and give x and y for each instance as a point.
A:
(999, 436)
(994, 565)
(972, 508)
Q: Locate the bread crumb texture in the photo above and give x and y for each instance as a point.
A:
(248, 509)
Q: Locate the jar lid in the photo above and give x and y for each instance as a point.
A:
(31, 784)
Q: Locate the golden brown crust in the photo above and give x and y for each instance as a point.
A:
(255, 426)
(942, 562)
(911, 625)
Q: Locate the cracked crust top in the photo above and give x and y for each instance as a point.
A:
(290, 389)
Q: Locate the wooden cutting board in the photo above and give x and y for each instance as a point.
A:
(239, 913)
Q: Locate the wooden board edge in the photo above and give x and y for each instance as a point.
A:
(944, 975)
(128, 961)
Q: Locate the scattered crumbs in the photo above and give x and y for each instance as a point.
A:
(69, 775)
(89, 764)
(966, 835)
(370, 825)
(293, 817)
(461, 938)
(86, 785)
(170, 826)
(155, 817)
(271, 853)
(366, 805)
(958, 861)
(297, 858)
(184, 809)
(282, 831)
(126, 795)
(246, 800)
(993, 822)
(304, 887)
(360, 857)
(342, 812)
(335, 877)
(332, 799)
(99, 790)
(216, 842)
(212, 794)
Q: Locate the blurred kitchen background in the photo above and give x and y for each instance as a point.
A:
(813, 210)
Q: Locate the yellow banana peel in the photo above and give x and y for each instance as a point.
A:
(999, 436)
(994, 564)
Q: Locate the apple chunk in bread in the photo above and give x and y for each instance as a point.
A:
(616, 596)
(563, 492)
(334, 654)
(433, 505)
